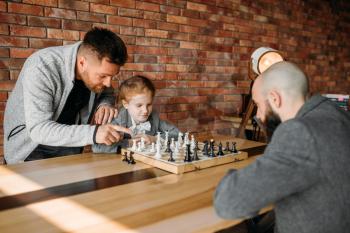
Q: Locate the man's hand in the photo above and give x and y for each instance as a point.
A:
(105, 114)
(109, 134)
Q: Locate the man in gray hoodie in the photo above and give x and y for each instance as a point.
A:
(58, 93)
(304, 171)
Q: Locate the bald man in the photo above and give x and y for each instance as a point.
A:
(304, 171)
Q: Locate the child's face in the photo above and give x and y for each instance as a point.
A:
(139, 106)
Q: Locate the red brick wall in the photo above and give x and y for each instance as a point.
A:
(195, 51)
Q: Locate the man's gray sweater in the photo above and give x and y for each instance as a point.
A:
(304, 172)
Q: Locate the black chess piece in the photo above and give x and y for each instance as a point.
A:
(188, 157)
(195, 155)
(131, 159)
(167, 150)
(227, 148)
(196, 147)
(125, 158)
(220, 152)
(171, 158)
(234, 149)
(205, 148)
(212, 152)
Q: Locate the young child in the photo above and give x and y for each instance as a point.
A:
(136, 96)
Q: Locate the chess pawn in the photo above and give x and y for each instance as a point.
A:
(158, 154)
(131, 159)
(227, 148)
(193, 143)
(188, 157)
(166, 138)
(153, 148)
(158, 138)
(205, 148)
(142, 143)
(125, 158)
(176, 152)
(134, 145)
(172, 144)
(212, 153)
(234, 149)
(138, 146)
(171, 158)
(195, 155)
(196, 146)
(179, 138)
(220, 152)
(186, 140)
(167, 150)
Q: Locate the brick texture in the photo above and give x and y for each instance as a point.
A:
(197, 52)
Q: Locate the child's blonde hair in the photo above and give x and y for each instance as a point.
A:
(135, 85)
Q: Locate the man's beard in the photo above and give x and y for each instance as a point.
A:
(272, 121)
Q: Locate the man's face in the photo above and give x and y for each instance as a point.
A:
(139, 106)
(97, 75)
(268, 119)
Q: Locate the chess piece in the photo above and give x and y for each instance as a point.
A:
(171, 159)
(176, 152)
(158, 154)
(193, 142)
(138, 146)
(179, 139)
(205, 148)
(188, 157)
(172, 144)
(167, 150)
(234, 149)
(131, 159)
(166, 138)
(212, 152)
(220, 152)
(196, 146)
(227, 148)
(153, 148)
(195, 155)
(134, 145)
(158, 138)
(142, 146)
(125, 158)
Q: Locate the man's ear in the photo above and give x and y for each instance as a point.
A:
(125, 104)
(274, 98)
(82, 63)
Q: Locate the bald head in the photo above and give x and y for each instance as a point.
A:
(285, 77)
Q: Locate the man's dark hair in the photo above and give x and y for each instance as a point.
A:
(106, 44)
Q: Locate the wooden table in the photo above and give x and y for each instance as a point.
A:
(100, 193)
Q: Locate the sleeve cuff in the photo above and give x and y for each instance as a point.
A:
(94, 136)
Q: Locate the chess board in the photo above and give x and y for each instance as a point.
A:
(179, 166)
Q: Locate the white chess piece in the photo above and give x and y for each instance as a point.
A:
(134, 145)
(193, 142)
(139, 146)
(166, 138)
(176, 150)
(179, 139)
(186, 140)
(172, 144)
(153, 148)
(142, 143)
(158, 154)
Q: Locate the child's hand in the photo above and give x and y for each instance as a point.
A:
(148, 138)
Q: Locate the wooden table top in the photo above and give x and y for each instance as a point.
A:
(100, 193)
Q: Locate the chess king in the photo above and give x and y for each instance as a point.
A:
(136, 96)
